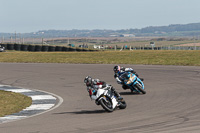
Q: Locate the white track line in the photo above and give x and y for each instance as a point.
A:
(42, 108)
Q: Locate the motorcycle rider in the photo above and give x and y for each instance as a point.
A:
(96, 84)
(118, 71)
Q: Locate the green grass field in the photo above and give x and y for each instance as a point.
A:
(147, 57)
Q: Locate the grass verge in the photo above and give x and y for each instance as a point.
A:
(13, 102)
(147, 57)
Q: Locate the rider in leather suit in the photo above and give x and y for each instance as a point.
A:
(95, 84)
(118, 71)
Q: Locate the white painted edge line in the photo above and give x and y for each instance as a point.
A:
(39, 107)
(4, 85)
(19, 90)
(43, 97)
(13, 118)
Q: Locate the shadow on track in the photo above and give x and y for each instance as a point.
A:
(129, 93)
(84, 112)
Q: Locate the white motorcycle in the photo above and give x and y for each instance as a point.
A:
(106, 98)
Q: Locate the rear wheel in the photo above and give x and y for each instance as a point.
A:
(107, 105)
(139, 87)
(122, 105)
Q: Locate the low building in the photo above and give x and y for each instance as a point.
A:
(127, 35)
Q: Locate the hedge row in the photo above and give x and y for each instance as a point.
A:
(41, 48)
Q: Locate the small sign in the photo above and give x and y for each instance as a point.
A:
(152, 44)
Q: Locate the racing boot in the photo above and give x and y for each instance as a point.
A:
(116, 94)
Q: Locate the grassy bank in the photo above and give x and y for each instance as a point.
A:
(12, 102)
(148, 57)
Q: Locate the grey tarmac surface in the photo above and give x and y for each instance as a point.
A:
(171, 105)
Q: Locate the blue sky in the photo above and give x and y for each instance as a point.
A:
(32, 15)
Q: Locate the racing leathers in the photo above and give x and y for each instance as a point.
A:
(97, 84)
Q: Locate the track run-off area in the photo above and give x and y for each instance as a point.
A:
(171, 105)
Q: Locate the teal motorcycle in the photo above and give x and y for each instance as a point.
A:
(133, 82)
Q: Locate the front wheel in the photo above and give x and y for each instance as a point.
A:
(139, 87)
(107, 105)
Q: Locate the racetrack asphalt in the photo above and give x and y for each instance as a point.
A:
(171, 105)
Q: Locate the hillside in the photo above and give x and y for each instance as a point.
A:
(192, 29)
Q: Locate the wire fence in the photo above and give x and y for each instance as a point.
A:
(156, 48)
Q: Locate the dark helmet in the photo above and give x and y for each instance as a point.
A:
(116, 69)
(88, 80)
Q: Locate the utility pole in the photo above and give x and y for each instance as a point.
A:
(195, 43)
(19, 38)
(15, 37)
(3, 39)
(11, 39)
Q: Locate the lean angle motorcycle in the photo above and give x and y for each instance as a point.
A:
(133, 82)
(106, 98)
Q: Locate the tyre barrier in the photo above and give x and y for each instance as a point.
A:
(65, 49)
(31, 48)
(71, 49)
(58, 48)
(79, 49)
(17, 47)
(10, 46)
(52, 48)
(38, 48)
(86, 50)
(91, 50)
(24, 47)
(45, 48)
